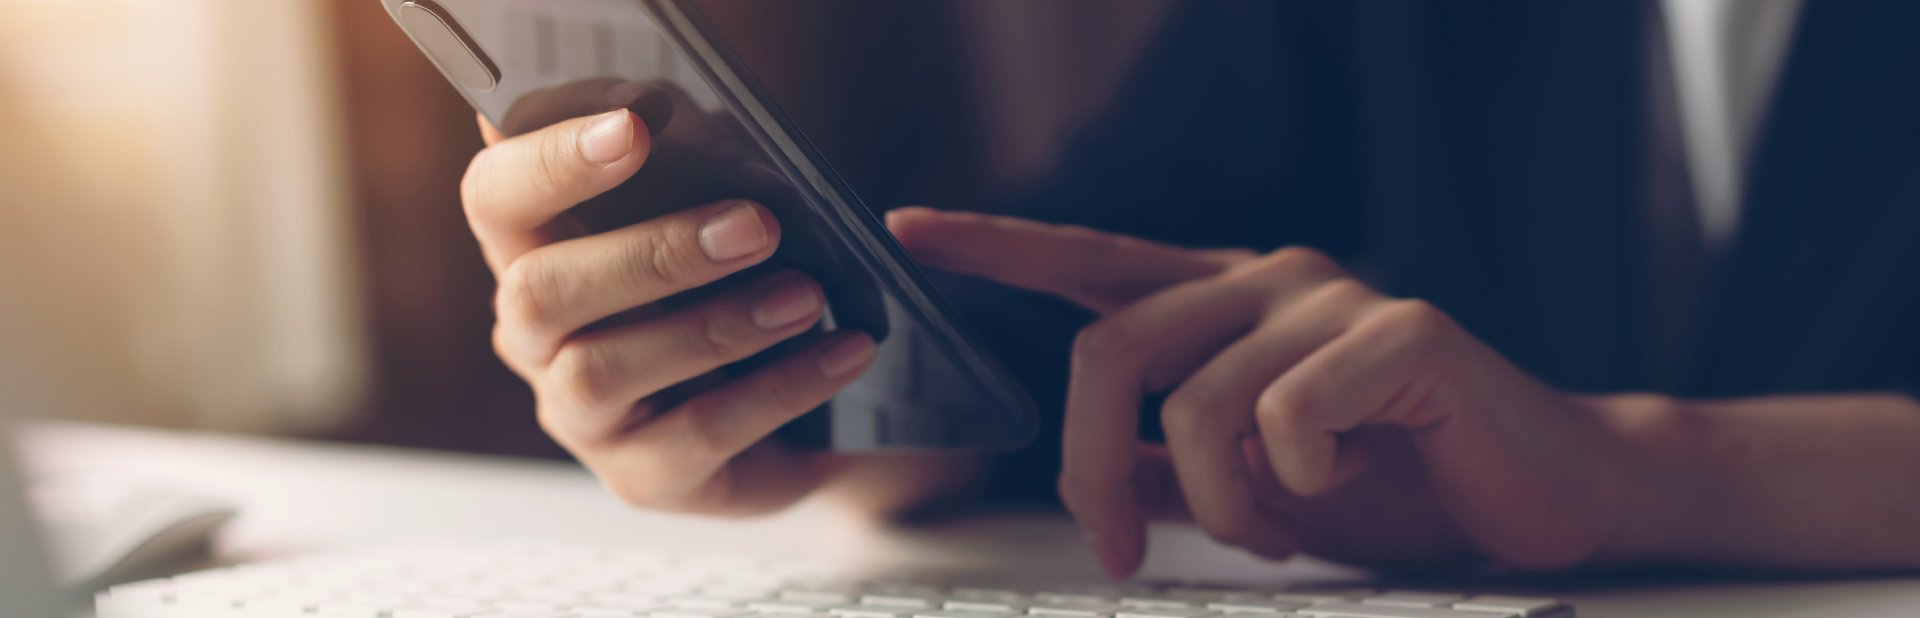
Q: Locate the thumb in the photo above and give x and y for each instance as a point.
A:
(1093, 269)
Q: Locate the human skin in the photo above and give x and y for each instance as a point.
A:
(1308, 412)
(641, 402)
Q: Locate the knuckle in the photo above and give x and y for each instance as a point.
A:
(1342, 296)
(782, 396)
(1299, 262)
(1280, 409)
(1344, 292)
(633, 492)
(715, 495)
(515, 359)
(694, 430)
(651, 474)
(1233, 256)
(1186, 410)
(1304, 258)
(1105, 339)
(567, 424)
(659, 258)
(715, 337)
(644, 477)
(584, 374)
(529, 294)
(547, 414)
(1412, 319)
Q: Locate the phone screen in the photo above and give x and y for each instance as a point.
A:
(536, 63)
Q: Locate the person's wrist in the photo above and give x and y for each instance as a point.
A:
(1654, 503)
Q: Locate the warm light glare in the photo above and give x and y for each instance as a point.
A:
(185, 206)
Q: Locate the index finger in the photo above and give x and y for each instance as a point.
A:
(1093, 269)
(1115, 362)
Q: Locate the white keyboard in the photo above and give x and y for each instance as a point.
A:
(525, 581)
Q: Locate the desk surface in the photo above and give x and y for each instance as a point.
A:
(300, 497)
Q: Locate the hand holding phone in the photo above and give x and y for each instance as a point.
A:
(568, 325)
(700, 200)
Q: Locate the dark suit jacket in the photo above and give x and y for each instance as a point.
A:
(1500, 159)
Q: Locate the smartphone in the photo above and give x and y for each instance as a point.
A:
(718, 134)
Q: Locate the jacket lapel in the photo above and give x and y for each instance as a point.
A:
(1839, 135)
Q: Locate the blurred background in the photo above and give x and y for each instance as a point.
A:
(248, 220)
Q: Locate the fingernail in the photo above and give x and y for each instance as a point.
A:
(846, 356)
(786, 304)
(608, 138)
(734, 233)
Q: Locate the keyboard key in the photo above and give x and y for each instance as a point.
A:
(901, 600)
(1208, 595)
(791, 607)
(1304, 598)
(527, 581)
(1156, 602)
(1072, 598)
(157, 591)
(1530, 607)
(843, 596)
(989, 595)
(1076, 609)
(1351, 593)
(704, 602)
(871, 611)
(740, 591)
(985, 606)
(955, 613)
(1357, 610)
(1254, 607)
(903, 589)
(699, 612)
(1166, 612)
(204, 602)
(1414, 599)
(285, 603)
(1108, 591)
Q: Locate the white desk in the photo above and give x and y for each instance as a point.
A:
(299, 497)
